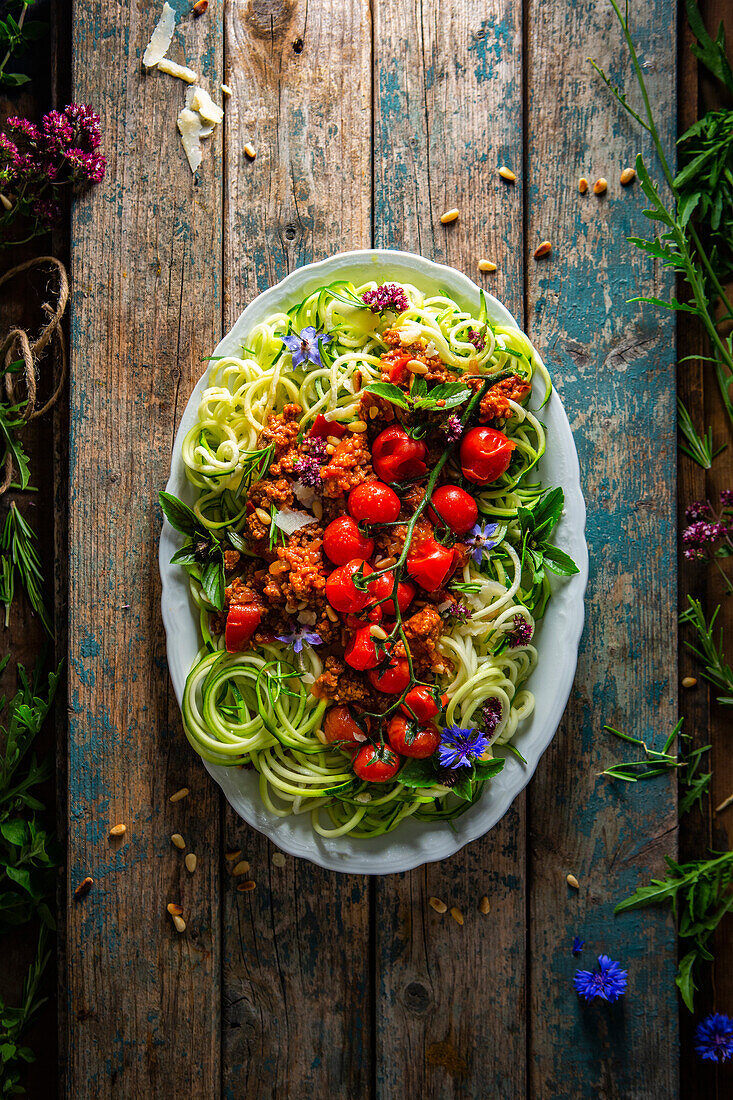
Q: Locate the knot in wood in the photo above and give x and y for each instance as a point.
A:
(417, 997)
(269, 18)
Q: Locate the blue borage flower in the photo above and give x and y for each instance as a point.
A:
(305, 347)
(609, 982)
(459, 747)
(714, 1038)
(480, 538)
(578, 945)
(297, 637)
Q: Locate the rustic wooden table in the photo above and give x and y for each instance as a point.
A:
(369, 121)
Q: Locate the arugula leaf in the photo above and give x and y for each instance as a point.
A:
(179, 515)
(712, 53)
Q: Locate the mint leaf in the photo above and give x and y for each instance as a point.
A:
(559, 562)
(389, 392)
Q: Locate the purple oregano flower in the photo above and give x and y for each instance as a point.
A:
(608, 982)
(453, 429)
(297, 637)
(459, 611)
(714, 1038)
(491, 713)
(388, 296)
(308, 469)
(522, 633)
(477, 339)
(305, 347)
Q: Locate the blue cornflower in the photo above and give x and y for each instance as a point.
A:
(714, 1037)
(306, 346)
(298, 636)
(578, 945)
(458, 747)
(480, 538)
(608, 982)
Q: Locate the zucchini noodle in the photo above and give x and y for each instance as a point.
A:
(255, 708)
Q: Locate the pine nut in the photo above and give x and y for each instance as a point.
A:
(689, 682)
(245, 887)
(416, 367)
(484, 905)
(486, 265)
(358, 426)
(457, 915)
(200, 7)
(332, 614)
(377, 632)
(507, 174)
(179, 923)
(190, 862)
(179, 795)
(543, 249)
(226, 89)
(628, 176)
(357, 381)
(235, 853)
(250, 151)
(174, 909)
(6, 202)
(278, 859)
(320, 735)
(572, 881)
(385, 563)
(263, 516)
(240, 868)
(373, 411)
(449, 216)
(582, 185)
(317, 510)
(600, 186)
(118, 830)
(178, 840)
(438, 905)
(333, 440)
(330, 448)
(83, 888)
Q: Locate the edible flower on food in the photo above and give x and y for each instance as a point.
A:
(460, 747)
(305, 347)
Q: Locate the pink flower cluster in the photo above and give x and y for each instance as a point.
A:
(38, 161)
(388, 296)
(707, 527)
(522, 633)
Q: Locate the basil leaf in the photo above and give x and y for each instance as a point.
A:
(213, 584)
(487, 769)
(237, 541)
(185, 556)
(418, 773)
(179, 515)
(463, 786)
(560, 562)
(389, 392)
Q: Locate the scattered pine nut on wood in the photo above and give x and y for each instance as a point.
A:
(572, 881)
(507, 174)
(278, 859)
(178, 840)
(582, 185)
(190, 862)
(724, 804)
(179, 795)
(484, 905)
(438, 905)
(174, 909)
(235, 853)
(245, 887)
(83, 888)
(600, 186)
(457, 915)
(449, 216)
(250, 152)
(118, 830)
(486, 265)
(200, 7)
(6, 202)
(689, 682)
(179, 922)
(543, 249)
(628, 176)
(240, 868)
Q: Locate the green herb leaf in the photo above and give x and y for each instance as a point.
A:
(559, 562)
(487, 769)
(213, 583)
(389, 392)
(179, 515)
(418, 773)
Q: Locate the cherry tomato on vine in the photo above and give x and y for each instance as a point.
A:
(457, 509)
(361, 652)
(396, 457)
(341, 725)
(485, 455)
(381, 589)
(424, 703)
(405, 739)
(322, 428)
(376, 763)
(393, 679)
(374, 502)
(241, 625)
(343, 541)
(341, 592)
(430, 564)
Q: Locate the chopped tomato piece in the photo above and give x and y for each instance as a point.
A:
(241, 625)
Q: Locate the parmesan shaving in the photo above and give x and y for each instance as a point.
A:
(290, 522)
(189, 127)
(226, 89)
(174, 69)
(304, 494)
(160, 40)
(202, 102)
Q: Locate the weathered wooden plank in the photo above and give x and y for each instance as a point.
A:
(448, 103)
(297, 989)
(143, 1000)
(613, 365)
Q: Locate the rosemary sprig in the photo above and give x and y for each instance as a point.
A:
(697, 447)
(19, 559)
(708, 650)
(687, 761)
(14, 1021)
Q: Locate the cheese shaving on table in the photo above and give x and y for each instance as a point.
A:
(181, 71)
(190, 129)
(202, 102)
(161, 37)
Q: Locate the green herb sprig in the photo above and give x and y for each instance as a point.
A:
(19, 559)
(14, 1055)
(709, 650)
(420, 399)
(697, 447)
(16, 35)
(202, 553)
(687, 761)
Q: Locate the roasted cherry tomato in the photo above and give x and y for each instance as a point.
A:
(393, 679)
(361, 652)
(381, 589)
(398, 366)
(374, 502)
(396, 457)
(430, 564)
(485, 455)
(343, 541)
(322, 428)
(456, 509)
(241, 625)
(341, 592)
(376, 763)
(423, 703)
(341, 725)
(409, 741)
